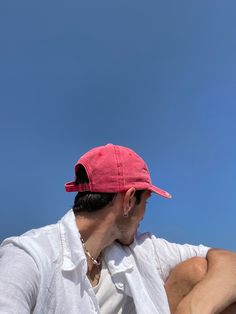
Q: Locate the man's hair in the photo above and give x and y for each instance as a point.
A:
(93, 201)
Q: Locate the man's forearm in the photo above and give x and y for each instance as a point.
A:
(217, 290)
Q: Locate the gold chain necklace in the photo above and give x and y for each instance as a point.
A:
(97, 261)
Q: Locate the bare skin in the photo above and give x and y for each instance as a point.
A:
(182, 280)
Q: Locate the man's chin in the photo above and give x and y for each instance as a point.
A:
(125, 242)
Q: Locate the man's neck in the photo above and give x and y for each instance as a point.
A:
(97, 233)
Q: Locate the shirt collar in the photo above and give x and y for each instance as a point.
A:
(73, 253)
(119, 258)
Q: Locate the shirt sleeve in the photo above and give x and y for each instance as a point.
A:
(19, 279)
(171, 254)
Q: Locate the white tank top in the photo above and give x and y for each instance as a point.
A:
(111, 300)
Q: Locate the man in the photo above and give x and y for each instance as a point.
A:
(93, 261)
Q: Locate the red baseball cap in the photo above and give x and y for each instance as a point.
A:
(112, 169)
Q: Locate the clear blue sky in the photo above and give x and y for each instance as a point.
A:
(157, 76)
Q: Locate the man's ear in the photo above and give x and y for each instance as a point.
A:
(129, 201)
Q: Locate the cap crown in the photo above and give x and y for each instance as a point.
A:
(113, 168)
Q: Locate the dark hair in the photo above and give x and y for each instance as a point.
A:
(93, 201)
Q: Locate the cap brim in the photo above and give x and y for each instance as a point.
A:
(72, 187)
(159, 191)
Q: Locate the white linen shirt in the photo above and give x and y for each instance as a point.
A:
(44, 271)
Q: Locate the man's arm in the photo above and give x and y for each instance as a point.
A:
(217, 290)
(19, 280)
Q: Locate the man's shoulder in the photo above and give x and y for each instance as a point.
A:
(34, 235)
(52, 246)
(38, 243)
(142, 238)
(47, 235)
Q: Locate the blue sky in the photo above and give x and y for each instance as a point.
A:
(159, 77)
